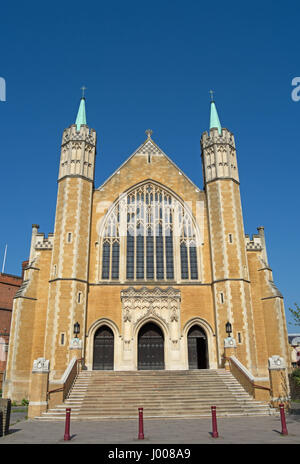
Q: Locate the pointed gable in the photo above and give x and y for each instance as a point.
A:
(149, 148)
(154, 160)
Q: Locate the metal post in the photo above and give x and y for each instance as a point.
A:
(284, 430)
(214, 422)
(4, 259)
(67, 426)
(141, 425)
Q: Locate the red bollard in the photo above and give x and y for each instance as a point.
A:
(214, 422)
(141, 425)
(67, 426)
(284, 430)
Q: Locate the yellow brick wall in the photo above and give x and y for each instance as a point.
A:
(27, 327)
(71, 260)
(226, 268)
(104, 302)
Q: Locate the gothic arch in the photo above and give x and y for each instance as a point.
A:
(155, 320)
(210, 335)
(156, 231)
(161, 325)
(104, 349)
(151, 347)
(91, 336)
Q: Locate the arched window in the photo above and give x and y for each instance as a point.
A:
(150, 227)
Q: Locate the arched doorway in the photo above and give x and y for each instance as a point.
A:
(103, 356)
(197, 348)
(150, 348)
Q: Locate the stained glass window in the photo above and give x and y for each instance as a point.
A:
(105, 260)
(155, 226)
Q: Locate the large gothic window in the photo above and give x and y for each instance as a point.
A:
(156, 235)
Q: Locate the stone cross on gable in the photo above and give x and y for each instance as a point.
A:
(149, 132)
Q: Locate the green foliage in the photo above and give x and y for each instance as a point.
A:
(296, 376)
(296, 372)
(24, 402)
(295, 313)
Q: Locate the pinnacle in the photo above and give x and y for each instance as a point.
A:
(81, 115)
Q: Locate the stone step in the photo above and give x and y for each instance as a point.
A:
(160, 413)
(175, 375)
(102, 395)
(158, 396)
(183, 397)
(173, 385)
(164, 390)
(164, 415)
(159, 382)
(149, 377)
(150, 408)
(159, 409)
(160, 401)
(164, 395)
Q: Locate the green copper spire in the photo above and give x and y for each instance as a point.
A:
(214, 118)
(81, 116)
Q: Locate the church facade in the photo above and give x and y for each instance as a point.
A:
(147, 271)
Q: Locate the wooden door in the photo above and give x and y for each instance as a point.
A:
(151, 348)
(197, 348)
(103, 358)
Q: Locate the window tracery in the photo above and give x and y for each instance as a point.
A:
(150, 227)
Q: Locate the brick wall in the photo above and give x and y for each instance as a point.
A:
(9, 285)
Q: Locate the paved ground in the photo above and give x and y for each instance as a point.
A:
(238, 430)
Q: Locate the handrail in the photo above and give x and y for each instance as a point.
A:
(245, 373)
(261, 387)
(54, 391)
(67, 379)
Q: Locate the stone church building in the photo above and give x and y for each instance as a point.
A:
(146, 272)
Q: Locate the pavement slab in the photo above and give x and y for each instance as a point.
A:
(231, 430)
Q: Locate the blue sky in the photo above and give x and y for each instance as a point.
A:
(151, 65)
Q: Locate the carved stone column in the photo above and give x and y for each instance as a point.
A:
(38, 402)
(229, 350)
(156, 305)
(278, 381)
(76, 347)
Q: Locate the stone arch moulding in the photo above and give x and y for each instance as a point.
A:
(151, 318)
(211, 340)
(123, 197)
(151, 347)
(133, 187)
(165, 331)
(90, 341)
(160, 306)
(172, 214)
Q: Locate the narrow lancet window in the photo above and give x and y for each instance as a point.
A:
(155, 227)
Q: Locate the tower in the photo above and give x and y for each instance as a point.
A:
(145, 260)
(69, 266)
(230, 275)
